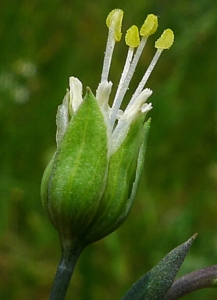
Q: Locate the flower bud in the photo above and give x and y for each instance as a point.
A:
(88, 187)
(86, 191)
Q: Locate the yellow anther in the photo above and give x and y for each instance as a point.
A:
(114, 20)
(150, 26)
(132, 37)
(166, 40)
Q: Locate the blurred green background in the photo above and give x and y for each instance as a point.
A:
(42, 44)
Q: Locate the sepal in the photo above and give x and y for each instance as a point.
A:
(74, 181)
(124, 173)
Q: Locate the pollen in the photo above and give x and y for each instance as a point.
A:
(166, 40)
(132, 37)
(114, 21)
(150, 25)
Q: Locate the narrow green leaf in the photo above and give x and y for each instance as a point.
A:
(155, 284)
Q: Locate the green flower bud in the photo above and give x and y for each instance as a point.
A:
(90, 183)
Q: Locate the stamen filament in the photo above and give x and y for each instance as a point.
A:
(117, 100)
(145, 78)
(132, 40)
(164, 42)
(108, 55)
(128, 78)
(114, 23)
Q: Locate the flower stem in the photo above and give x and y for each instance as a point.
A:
(71, 250)
(203, 278)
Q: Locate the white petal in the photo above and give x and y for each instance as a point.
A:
(146, 107)
(75, 93)
(103, 93)
(132, 110)
(62, 119)
(121, 130)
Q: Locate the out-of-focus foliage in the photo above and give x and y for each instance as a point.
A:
(42, 44)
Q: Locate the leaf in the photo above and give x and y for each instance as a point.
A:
(155, 284)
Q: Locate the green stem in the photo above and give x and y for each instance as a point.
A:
(71, 250)
(203, 278)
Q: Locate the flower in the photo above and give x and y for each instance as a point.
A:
(89, 186)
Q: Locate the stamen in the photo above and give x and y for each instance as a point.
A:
(132, 40)
(148, 28)
(164, 42)
(114, 23)
(145, 78)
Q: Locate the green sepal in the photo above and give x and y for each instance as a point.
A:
(155, 284)
(77, 179)
(44, 186)
(140, 165)
(125, 169)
